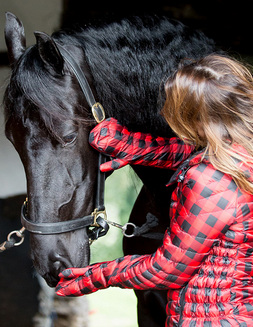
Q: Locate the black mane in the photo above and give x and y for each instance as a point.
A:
(128, 60)
(131, 59)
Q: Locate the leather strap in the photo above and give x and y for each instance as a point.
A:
(100, 185)
(82, 80)
(54, 228)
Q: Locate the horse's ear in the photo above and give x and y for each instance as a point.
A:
(14, 37)
(49, 53)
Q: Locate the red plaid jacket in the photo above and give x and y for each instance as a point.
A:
(205, 261)
(115, 140)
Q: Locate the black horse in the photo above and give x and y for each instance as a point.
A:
(48, 121)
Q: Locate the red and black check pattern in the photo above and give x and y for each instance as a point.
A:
(115, 140)
(205, 260)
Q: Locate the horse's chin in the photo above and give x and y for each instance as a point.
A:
(51, 280)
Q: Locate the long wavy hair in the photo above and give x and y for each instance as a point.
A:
(209, 102)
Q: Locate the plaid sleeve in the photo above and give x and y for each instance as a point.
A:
(204, 212)
(113, 139)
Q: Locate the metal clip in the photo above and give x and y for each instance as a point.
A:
(124, 228)
(96, 213)
(18, 233)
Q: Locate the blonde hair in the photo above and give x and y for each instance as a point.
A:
(214, 94)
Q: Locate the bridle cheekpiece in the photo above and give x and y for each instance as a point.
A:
(97, 220)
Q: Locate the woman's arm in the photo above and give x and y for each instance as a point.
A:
(113, 139)
(198, 222)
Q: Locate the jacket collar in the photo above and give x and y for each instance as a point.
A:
(197, 157)
(194, 159)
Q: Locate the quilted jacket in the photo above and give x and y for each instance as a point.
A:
(205, 261)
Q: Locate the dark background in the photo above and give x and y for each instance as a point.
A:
(229, 23)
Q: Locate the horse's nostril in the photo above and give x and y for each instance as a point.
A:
(59, 261)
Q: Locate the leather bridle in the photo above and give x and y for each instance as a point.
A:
(96, 221)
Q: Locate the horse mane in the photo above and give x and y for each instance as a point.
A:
(129, 62)
(131, 59)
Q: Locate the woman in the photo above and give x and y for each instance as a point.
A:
(205, 261)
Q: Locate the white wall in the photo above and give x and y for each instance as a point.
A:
(36, 15)
(12, 177)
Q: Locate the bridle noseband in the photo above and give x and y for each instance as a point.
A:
(97, 219)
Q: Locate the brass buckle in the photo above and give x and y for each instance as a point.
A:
(97, 213)
(98, 112)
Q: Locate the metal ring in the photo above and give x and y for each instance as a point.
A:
(18, 234)
(125, 229)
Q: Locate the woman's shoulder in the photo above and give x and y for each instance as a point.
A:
(206, 175)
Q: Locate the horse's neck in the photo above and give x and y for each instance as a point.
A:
(153, 178)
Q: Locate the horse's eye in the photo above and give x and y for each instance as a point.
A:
(69, 139)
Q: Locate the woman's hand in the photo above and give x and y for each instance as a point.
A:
(112, 139)
(135, 148)
(75, 282)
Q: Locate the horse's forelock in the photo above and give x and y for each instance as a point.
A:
(32, 87)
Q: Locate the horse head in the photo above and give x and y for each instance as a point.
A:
(48, 121)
